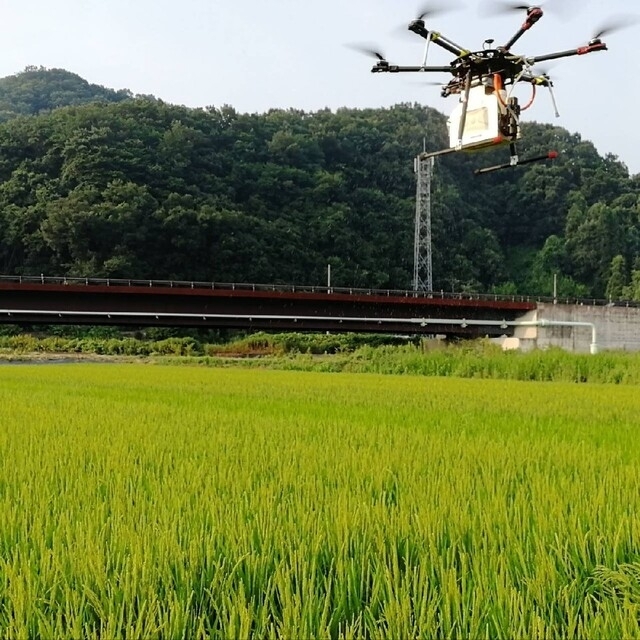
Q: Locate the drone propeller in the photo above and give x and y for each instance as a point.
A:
(496, 7)
(427, 11)
(430, 83)
(614, 25)
(540, 71)
(501, 7)
(434, 8)
(368, 51)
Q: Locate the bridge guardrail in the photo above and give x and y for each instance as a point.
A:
(284, 288)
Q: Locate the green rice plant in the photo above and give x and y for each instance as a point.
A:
(188, 502)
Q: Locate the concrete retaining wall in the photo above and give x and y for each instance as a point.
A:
(617, 328)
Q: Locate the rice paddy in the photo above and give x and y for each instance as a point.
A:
(176, 502)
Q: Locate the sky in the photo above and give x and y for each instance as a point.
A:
(256, 55)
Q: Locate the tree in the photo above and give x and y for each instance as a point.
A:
(550, 261)
(593, 243)
(39, 90)
(632, 291)
(617, 278)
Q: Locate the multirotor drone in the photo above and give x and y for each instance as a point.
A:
(488, 114)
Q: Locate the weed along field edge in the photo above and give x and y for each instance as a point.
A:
(195, 502)
(352, 353)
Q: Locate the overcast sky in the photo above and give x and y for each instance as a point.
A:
(258, 54)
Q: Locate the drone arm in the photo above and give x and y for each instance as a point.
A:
(533, 15)
(417, 26)
(385, 67)
(590, 48)
(552, 155)
(448, 45)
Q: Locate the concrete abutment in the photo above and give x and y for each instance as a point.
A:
(616, 328)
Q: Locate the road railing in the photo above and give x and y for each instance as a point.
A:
(312, 289)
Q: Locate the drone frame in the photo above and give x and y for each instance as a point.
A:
(493, 67)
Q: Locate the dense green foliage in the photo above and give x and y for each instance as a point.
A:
(39, 90)
(139, 188)
(145, 502)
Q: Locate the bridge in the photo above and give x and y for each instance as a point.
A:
(143, 303)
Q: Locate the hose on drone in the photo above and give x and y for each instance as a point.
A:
(498, 87)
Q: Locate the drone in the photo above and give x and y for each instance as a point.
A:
(488, 112)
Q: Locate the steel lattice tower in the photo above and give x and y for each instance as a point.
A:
(422, 256)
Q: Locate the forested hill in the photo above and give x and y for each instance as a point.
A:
(38, 90)
(140, 188)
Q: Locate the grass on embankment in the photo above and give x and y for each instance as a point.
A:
(342, 353)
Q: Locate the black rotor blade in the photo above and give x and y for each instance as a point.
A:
(500, 7)
(434, 8)
(552, 70)
(367, 50)
(425, 12)
(543, 71)
(615, 24)
(564, 8)
(429, 84)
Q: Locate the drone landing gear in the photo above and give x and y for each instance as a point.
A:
(516, 162)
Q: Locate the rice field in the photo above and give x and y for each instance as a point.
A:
(175, 502)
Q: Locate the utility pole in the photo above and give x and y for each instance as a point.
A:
(422, 254)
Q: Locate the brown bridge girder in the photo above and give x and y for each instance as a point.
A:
(309, 309)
